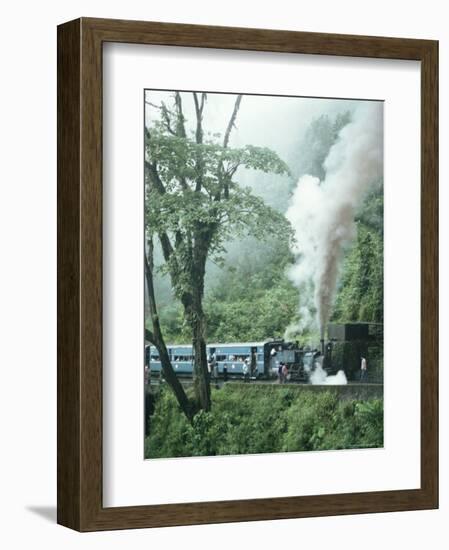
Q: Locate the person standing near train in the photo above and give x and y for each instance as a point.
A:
(214, 364)
(273, 362)
(253, 368)
(245, 370)
(280, 372)
(363, 370)
(285, 373)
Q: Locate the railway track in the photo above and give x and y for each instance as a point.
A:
(188, 382)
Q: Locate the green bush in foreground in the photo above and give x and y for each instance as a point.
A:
(249, 419)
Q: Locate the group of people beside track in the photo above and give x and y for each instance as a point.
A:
(283, 373)
(248, 367)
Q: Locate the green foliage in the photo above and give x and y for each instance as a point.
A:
(264, 419)
(253, 299)
(323, 422)
(259, 315)
(360, 297)
(177, 158)
(371, 213)
(201, 198)
(249, 298)
(174, 326)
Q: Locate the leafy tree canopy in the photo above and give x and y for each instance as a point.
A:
(193, 193)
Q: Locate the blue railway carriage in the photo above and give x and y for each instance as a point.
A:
(230, 359)
(181, 358)
(226, 358)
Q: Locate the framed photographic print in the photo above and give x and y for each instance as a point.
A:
(247, 274)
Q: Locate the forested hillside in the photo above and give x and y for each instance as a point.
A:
(248, 295)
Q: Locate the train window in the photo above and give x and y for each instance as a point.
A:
(221, 357)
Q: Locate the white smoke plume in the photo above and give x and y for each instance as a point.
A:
(322, 212)
(305, 321)
(320, 377)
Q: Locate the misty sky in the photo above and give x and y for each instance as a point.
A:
(266, 121)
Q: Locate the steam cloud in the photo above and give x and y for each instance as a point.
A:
(322, 212)
(320, 376)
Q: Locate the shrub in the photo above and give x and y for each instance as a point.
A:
(255, 419)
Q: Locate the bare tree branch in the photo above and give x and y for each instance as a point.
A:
(199, 118)
(180, 120)
(231, 122)
(199, 140)
(160, 107)
(166, 118)
(225, 176)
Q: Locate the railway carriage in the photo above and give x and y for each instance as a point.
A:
(232, 358)
(181, 358)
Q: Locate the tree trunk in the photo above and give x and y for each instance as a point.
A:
(201, 372)
(157, 339)
(172, 380)
(198, 322)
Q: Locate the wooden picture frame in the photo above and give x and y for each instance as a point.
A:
(80, 504)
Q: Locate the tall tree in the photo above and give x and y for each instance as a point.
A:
(194, 204)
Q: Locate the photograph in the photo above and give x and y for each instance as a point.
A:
(263, 274)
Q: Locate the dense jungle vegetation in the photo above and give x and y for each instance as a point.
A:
(263, 419)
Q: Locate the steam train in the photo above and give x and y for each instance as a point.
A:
(345, 345)
(256, 360)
